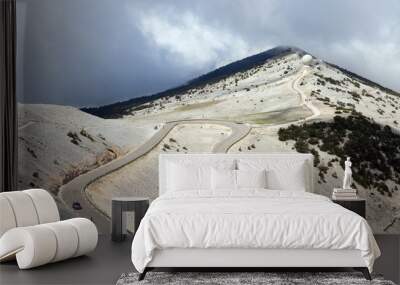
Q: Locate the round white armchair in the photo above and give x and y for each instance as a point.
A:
(31, 230)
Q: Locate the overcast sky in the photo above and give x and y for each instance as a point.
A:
(96, 52)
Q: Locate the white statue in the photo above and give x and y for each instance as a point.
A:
(348, 180)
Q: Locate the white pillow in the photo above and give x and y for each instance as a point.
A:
(223, 179)
(283, 174)
(188, 177)
(187, 173)
(251, 178)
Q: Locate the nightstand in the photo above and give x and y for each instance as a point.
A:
(356, 205)
(119, 207)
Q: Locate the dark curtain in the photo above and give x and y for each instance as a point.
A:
(8, 101)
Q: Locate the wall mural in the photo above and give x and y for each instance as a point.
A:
(275, 101)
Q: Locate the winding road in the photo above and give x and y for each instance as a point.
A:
(75, 189)
(305, 101)
(27, 124)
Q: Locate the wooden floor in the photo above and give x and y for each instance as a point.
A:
(110, 260)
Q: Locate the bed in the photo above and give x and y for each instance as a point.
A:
(245, 211)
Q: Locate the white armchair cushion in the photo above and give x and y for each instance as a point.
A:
(45, 205)
(26, 208)
(31, 232)
(87, 233)
(7, 220)
(66, 237)
(23, 208)
(32, 246)
(37, 245)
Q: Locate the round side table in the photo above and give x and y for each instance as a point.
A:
(119, 207)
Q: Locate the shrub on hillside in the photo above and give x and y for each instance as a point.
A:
(374, 150)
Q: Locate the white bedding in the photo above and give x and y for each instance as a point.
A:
(250, 219)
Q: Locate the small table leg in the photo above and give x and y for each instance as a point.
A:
(140, 211)
(118, 216)
(117, 221)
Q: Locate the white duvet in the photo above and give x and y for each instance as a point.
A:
(250, 219)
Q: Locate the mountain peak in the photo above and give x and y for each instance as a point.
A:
(237, 68)
(245, 64)
(285, 48)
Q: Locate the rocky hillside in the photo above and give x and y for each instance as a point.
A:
(319, 108)
(119, 109)
(58, 143)
(288, 104)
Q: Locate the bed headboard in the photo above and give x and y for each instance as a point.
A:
(209, 157)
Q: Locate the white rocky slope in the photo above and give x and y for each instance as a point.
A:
(264, 98)
(252, 96)
(257, 95)
(57, 143)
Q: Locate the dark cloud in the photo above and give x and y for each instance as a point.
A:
(93, 52)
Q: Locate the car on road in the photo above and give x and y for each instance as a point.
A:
(76, 206)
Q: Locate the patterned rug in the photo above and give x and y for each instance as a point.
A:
(243, 278)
